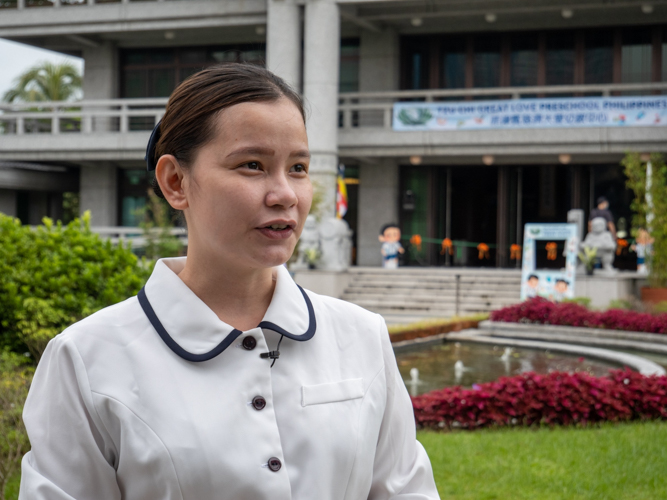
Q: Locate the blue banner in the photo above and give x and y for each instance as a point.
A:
(650, 111)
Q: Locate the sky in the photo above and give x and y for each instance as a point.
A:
(15, 58)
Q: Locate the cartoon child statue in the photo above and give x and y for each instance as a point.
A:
(643, 244)
(533, 283)
(560, 289)
(390, 236)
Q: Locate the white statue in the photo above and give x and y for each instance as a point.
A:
(309, 245)
(336, 244)
(601, 239)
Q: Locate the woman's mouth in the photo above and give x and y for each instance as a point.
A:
(277, 231)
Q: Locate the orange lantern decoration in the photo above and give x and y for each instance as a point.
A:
(621, 245)
(483, 250)
(416, 240)
(551, 250)
(515, 252)
(447, 247)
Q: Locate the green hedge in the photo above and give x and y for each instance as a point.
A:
(54, 275)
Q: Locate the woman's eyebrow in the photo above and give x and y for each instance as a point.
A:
(253, 151)
(301, 153)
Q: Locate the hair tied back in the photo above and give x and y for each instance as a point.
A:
(150, 149)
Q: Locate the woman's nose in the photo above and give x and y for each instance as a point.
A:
(281, 192)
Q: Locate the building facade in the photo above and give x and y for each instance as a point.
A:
(352, 60)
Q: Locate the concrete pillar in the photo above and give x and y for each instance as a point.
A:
(100, 80)
(8, 202)
(100, 77)
(99, 193)
(378, 205)
(283, 41)
(321, 67)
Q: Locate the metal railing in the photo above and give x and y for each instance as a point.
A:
(356, 109)
(28, 4)
(135, 235)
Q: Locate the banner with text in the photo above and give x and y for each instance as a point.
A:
(650, 111)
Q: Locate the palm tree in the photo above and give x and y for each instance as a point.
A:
(46, 81)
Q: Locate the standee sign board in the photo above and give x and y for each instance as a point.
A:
(544, 273)
(649, 111)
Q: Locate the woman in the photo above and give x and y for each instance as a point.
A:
(223, 379)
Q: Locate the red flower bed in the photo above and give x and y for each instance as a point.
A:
(540, 310)
(555, 399)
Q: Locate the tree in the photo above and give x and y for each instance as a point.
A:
(650, 209)
(46, 82)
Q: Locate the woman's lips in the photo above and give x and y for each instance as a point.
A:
(276, 234)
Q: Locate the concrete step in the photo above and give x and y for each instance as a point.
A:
(431, 292)
(416, 299)
(407, 294)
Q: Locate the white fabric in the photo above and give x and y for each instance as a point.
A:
(113, 413)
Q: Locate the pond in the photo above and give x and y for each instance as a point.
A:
(481, 363)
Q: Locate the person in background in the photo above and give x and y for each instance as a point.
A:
(603, 211)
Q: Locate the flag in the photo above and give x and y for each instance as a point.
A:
(341, 194)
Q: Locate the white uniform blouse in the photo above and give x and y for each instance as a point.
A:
(116, 412)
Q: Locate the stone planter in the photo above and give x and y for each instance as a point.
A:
(653, 295)
(433, 330)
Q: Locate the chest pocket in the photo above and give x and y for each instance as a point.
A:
(332, 392)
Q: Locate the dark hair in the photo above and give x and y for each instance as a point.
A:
(561, 280)
(388, 226)
(533, 276)
(188, 122)
(601, 200)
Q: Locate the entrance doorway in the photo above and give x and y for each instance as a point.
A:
(459, 203)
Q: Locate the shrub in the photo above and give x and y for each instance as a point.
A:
(554, 399)
(650, 209)
(15, 377)
(539, 310)
(54, 275)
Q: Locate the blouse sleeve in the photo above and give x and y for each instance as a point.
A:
(72, 457)
(402, 469)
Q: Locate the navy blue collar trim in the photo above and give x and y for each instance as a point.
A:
(233, 335)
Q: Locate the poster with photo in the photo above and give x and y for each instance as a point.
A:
(549, 261)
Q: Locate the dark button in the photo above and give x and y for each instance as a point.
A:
(275, 464)
(249, 343)
(258, 402)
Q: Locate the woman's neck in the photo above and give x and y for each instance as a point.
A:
(239, 297)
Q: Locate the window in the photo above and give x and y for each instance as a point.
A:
(453, 63)
(133, 184)
(560, 58)
(156, 72)
(636, 56)
(599, 57)
(349, 65)
(486, 61)
(524, 57)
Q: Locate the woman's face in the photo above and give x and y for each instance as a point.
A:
(248, 191)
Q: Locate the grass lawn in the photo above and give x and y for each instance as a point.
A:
(615, 461)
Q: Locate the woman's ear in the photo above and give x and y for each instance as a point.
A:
(170, 176)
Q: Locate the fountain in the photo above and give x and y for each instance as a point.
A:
(465, 364)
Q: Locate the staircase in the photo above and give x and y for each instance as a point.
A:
(411, 294)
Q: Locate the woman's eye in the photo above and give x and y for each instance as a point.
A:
(298, 168)
(252, 165)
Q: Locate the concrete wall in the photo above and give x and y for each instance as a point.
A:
(8, 202)
(99, 186)
(378, 205)
(378, 60)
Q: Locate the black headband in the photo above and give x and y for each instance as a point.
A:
(150, 149)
